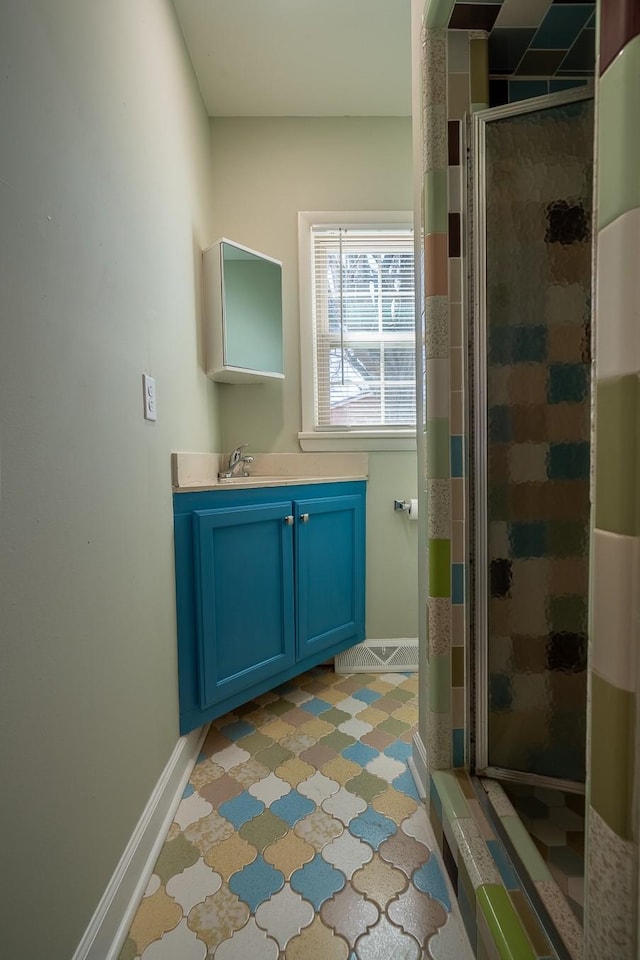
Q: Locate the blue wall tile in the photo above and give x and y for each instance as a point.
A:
(528, 539)
(500, 692)
(457, 582)
(507, 46)
(429, 879)
(500, 339)
(435, 799)
(561, 25)
(529, 344)
(568, 382)
(468, 911)
(457, 456)
(582, 55)
(500, 424)
(558, 85)
(508, 874)
(525, 89)
(568, 461)
(458, 747)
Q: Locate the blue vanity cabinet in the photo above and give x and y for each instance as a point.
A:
(244, 597)
(269, 582)
(329, 571)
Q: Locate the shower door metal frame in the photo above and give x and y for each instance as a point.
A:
(478, 490)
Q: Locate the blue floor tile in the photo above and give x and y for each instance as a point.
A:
(317, 881)
(360, 753)
(372, 827)
(368, 696)
(240, 809)
(405, 783)
(238, 729)
(256, 882)
(292, 807)
(399, 750)
(315, 706)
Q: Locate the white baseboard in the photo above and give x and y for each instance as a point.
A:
(418, 765)
(108, 928)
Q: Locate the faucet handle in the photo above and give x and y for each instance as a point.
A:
(236, 454)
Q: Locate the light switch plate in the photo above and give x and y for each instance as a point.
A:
(149, 390)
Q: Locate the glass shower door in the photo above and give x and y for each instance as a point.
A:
(532, 264)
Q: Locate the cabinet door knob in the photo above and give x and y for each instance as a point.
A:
(304, 517)
(289, 519)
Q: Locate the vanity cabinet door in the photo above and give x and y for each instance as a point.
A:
(329, 572)
(245, 629)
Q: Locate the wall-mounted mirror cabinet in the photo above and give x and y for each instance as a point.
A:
(243, 311)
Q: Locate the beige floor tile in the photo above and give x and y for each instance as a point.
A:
(156, 915)
(289, 854)
(406, 713)
(318, 829)
(231, 855)
(398, 806)
(317, 942)
(331, 695)
(276, 728)
(218, 917)
(380, 686)
(341, 769)
(379, 881)
(205, 772)
(208, 831)
(294, 771)
(316, 728)
(372, 716)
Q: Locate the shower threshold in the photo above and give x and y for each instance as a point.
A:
(508, 777)
(542, 832)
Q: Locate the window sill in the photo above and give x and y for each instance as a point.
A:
(317, 441)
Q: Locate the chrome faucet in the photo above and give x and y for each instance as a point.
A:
(236, 462)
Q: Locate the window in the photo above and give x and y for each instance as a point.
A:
(358, 335)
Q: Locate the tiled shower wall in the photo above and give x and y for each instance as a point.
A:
(457, 81)
(534, 51)
(611, 914)
(611, 926)
(456, 74)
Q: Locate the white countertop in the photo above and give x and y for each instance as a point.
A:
(199, 471)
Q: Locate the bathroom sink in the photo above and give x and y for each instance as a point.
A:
(199, 471)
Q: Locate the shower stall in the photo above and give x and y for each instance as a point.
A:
(532, 277)
(530, 260)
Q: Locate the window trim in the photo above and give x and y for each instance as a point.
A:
(386, 438)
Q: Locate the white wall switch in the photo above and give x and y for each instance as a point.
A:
(149, 390)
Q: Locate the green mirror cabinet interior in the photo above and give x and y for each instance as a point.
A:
(242, 292)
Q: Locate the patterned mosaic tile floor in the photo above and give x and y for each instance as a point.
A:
(555, 822)
(301, 836)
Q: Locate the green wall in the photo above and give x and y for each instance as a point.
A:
(104, 208)
(263, 172)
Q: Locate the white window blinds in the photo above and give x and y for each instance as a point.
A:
(364, 327)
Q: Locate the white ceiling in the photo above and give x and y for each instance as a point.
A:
(300, 57)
